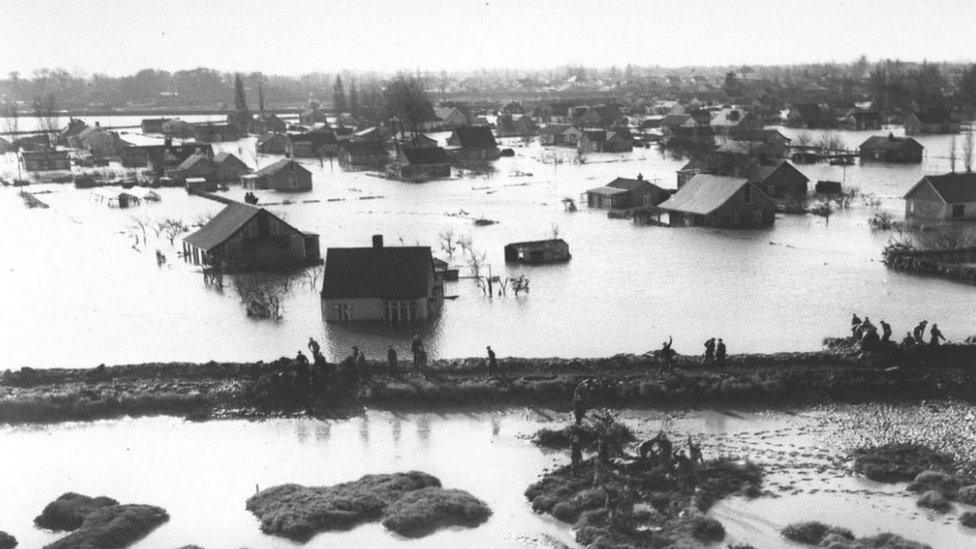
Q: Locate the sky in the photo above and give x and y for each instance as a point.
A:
(117, 37)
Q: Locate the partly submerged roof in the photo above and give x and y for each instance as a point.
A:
(889, 142)
(273, 169)
(223, 226)
(703, 194)
(475, 137)
(396, 272)
(952, 187)
(606, 191)
(764, 172)
(426, 155)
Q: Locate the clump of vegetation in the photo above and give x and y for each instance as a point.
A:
(899, 462)
(880, 220)
(938, 481)
(935, 500)
(812, 532)
(113, 527)
(588, 433)
(424, 511)
(299, 512)
(7, 541)
(967, 495)
(68, 512)
(968, 519)
(413, 504)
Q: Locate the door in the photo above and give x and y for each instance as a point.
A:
(958, 211)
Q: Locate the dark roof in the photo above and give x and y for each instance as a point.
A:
(754, 134)
(272, 169)
(385, 273)
(952, 187)
(193, 160)
(539, 244)
(426, 156)
(475, 137)
(674, 120)
(764, 172)
(632, 184)
(934, 117)
(703, 194)
(223, 226)
(228, 158)
(369, 146)
(606, 191)
(889, 142)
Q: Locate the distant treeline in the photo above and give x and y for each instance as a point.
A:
(891, 84)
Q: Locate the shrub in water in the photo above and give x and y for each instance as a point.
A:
(7, 541)
(967, 494)
(708, 529)
(69, 511)
(113, 527)
(943, 483)
(935, 500)
(813, 532)
(968, 519)
(898, 462)
(423, 511)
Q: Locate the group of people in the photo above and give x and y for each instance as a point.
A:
(715, 353)
(865, 333)
(660, 451)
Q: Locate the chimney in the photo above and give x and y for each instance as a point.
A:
(377, 241)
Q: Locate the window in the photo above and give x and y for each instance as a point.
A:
(958, 211)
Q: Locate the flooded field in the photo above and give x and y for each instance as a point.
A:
(83, 296)
(202, 473)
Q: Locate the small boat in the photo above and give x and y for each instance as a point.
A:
(481, 222)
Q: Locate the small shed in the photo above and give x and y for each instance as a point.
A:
(285, 175)
(537, 251)
(780, 180)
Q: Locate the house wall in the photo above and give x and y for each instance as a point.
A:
(286, 181)
(370, 309)
(248, 247)
(785, 183)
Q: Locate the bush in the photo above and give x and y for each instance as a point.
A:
(935, 500)
(968, 519)
(812, 532)
(938, 481)
(299, 512)
(707, 529)
(423, 511)
(68, 512)
(7, 541)
(113, 527)
(898, 462)
(967, 495)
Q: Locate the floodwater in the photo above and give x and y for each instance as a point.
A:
(77, 294)
(202, 473)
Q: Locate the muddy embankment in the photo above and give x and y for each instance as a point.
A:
(200, 391)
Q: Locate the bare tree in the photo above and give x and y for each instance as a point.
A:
(312, 276)
(11, 119)
(170, 228)
(139, 225)
(476, 261)
(519, 284)
(447, 241)
(262, 293)
(46, 110)
(952, 154)
(803, 139)
(967, 152)
(465, 242)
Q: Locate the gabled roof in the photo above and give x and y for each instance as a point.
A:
(765, 172)
(674, 120)
(426, 155)
(755, 134)
(703, 194)
(273, 169)
(475, 137)
(878, 142)
(229, 159)
(385, 273)
(606, 191)
(193, 160)
(223, 226)
(951, 187)
(632, 184)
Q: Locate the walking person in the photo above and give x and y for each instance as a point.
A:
(909, 342)
(417, 348)
(936, 335)
(919, 332)
(667, 355)
(579, 402)
(855, 322)
(492, 362)
(709, 351)
(391, 359)
(885, 332)
(720, 353)
(313, 346)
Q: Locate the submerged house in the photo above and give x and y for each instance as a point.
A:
(230, 168)
(902, 150)
(537, 251)
(243, 237)
(719, 201)
(362, 153)
(781, 180)
(45, 160)
(420, 164)
(622, 193)
(474, 143)
(396, 284)
(941, 198)
(285, 175)
(274, 143)
(556, 134)
(208, 132)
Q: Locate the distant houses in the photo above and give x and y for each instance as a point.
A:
(930, 122)
(363, 153)
(718, 201)
(285, 175)
(623, 193)
(600, 140)
(420, 164)
(394, 284)
(537, 251)
(274, 143)
(901, 150)
(556, 134)
(780, 180)
(942, 198)
(242, 237)
(473, 143)
(211, 133)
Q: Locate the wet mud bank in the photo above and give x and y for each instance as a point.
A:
(284, 387)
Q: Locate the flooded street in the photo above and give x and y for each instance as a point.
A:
(83, 296)
(202, 473)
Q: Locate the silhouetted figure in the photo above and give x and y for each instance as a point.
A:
(391, 359)
(575, 454)
(855, 322)
(492, 362)
(301, 359)
(695, 453)
(720, 353)
(936, 336)
(579, 402)
(909, 342)
(417, 347)
(919, 332)
(709, 351)
(313, 346)
(667, 354)
(659, 447)
(885, 332)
